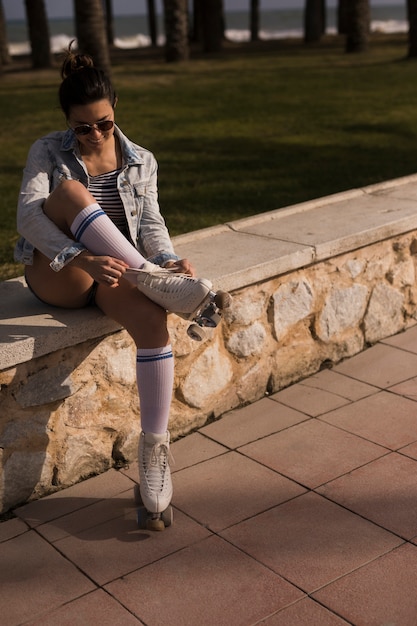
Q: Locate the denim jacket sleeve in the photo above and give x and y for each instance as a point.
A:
(153, 237)
(138, 189)
(37, 230)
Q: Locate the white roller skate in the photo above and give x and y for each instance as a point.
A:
(155, 493)
(190, 298)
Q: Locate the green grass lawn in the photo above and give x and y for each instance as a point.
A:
(250, 130)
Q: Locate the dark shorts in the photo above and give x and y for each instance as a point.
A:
(91, 299)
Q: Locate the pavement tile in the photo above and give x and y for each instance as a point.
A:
(382, 366)
(333, 382)
(207, 583)
(12, 528)
(406, 340)
(312, 453)
(410, 450)
(408, 389)
(385, 492)
(309, 400)
(305, 612)
(223, 491)
(93, 609)
(380, 593)
(193, 449)
(73, 498)
(252, 422)
(87, 517)
(310, 541)
(131, 471)
(119, 547)
(35, 578)
(384, 418)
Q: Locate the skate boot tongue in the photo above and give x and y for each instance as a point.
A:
(155, 438)
(154, 472)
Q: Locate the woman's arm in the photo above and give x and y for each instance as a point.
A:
(32, 223)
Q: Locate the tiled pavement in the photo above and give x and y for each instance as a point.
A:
(300, 509)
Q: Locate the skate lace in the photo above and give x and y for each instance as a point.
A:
(155, 464)
(174, 282)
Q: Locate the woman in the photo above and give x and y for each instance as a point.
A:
(88, 212)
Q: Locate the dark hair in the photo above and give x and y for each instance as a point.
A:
(82, 83)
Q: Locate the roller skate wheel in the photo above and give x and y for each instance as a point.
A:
(149, 521)
(195, 332)
(211, 320)
(142, 517)
(154, 521)
(222, 299)
(155, 524)
(168, 516)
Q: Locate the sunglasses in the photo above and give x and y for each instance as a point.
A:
(85, 129)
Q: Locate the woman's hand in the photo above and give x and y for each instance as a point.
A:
(183, 266)
(105, 270)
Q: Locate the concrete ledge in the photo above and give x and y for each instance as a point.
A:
(233, 255)
(29, 329)
(312, 285)
(257, 248)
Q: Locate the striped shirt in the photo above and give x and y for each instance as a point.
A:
(104, 189)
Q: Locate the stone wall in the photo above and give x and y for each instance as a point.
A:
(74, 412)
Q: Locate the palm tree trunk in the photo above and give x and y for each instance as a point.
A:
(91, 32)
(254, 20)
(213, 25)
(314, 20)
(38, 33)
(412, 28)
(197, 22)
(153, 31)
(176, 30)
(358, 23)
(342, 17)
(108, 4)
(4, 48)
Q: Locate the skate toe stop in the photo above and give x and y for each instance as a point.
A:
(223, 299)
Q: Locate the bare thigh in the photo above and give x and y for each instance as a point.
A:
(68, 288)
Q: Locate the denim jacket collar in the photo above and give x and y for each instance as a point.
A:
(130, 156)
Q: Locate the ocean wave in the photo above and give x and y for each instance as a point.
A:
(238, 36)
(58, 44)
(136, 41)
(389, 26)
(61, 41)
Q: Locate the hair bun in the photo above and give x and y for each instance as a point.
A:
(74, 62)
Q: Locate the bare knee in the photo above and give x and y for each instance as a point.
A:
(72, 191)
(148, 325)
(145, 321)
(67, 200)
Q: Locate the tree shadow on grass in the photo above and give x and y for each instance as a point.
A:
(266, 174)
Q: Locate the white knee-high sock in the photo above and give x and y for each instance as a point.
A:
(155, 379)
(93, 228)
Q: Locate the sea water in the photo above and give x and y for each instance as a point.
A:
(132, 31)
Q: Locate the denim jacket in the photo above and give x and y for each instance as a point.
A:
(55, 157)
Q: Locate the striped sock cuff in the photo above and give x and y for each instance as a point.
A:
(84, 218)
(151, 355)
